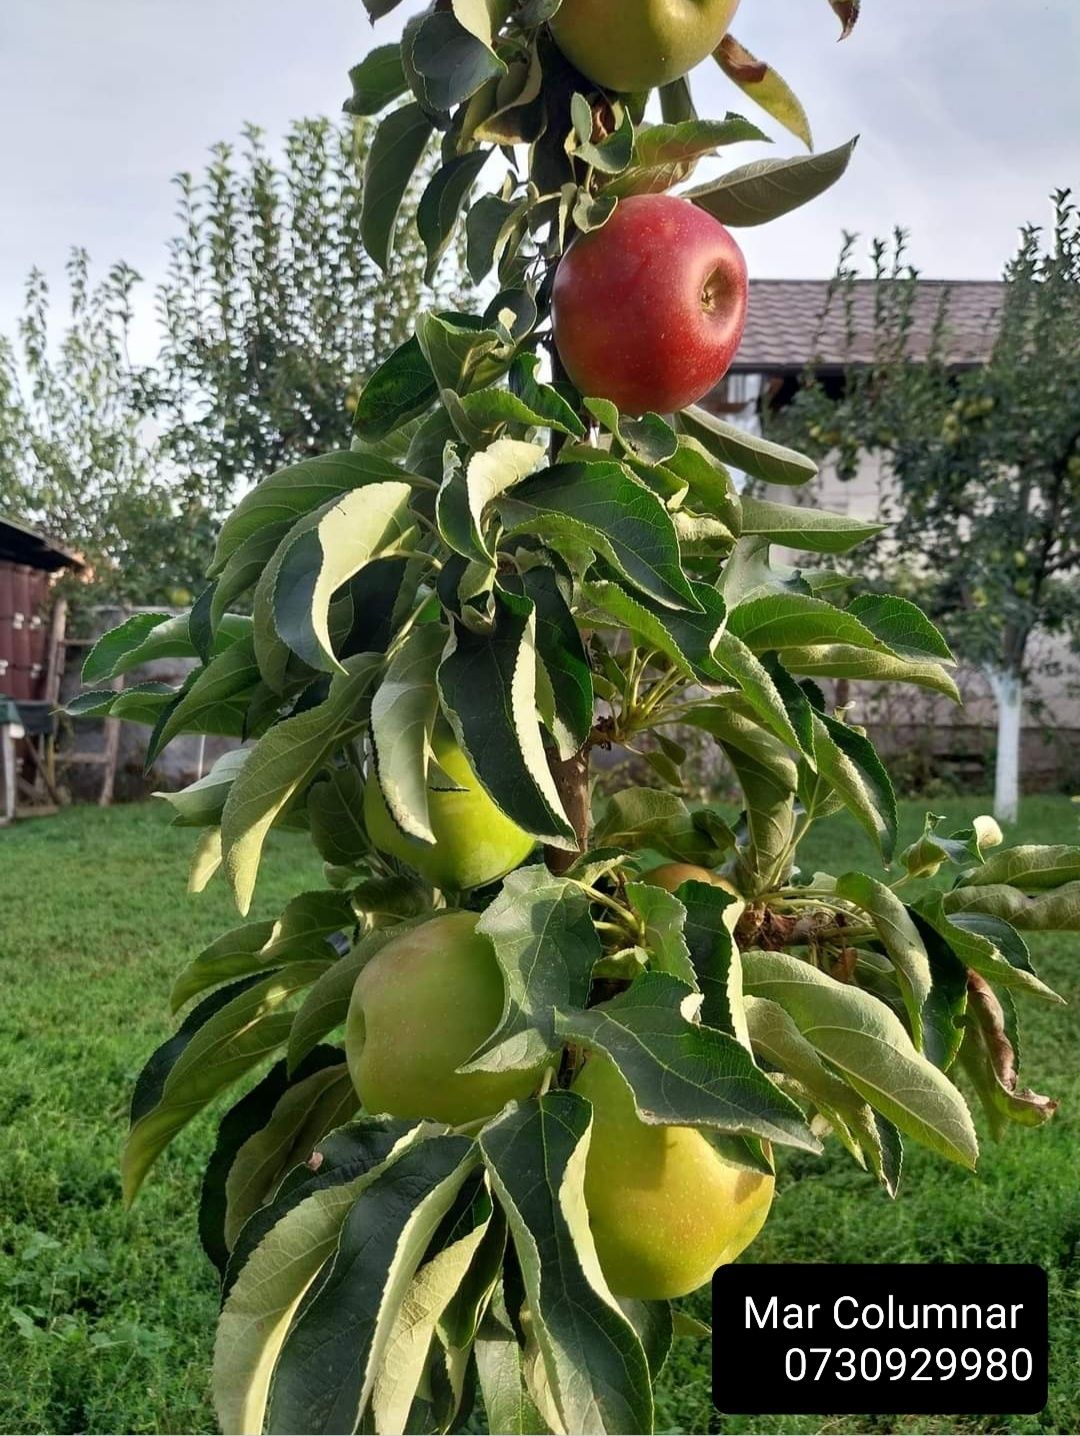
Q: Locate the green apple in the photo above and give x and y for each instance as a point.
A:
(419, 1009)
(633, 45)
(665, 1208)
(475, 843)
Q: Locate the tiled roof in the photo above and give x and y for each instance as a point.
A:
(785, 329)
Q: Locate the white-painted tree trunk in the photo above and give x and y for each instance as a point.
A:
(1009, 694)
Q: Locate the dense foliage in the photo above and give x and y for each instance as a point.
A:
(500, 574)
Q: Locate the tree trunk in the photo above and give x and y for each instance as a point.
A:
(1008, 691)
(572, 780)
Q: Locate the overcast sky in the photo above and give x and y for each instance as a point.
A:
(969, 112)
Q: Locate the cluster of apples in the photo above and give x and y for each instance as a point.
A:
(647, 312)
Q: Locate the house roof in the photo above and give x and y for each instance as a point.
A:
(792, 322)
(21, 544)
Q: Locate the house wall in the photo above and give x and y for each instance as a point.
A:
(904, 716)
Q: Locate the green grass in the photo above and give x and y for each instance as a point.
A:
(106, 1317)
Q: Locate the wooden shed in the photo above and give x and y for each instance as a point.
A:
(31, 653)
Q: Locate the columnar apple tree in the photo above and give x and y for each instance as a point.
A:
(522, 1063)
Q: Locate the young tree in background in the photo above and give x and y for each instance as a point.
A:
(273, 312)
(985, 463)
(76, 458)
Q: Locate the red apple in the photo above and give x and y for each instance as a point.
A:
(649, 310)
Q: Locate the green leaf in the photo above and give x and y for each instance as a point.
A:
(987, 944)
(396, 150)
(606, 507)
(216, 701)
(662, 916)
(838, 660)
(290, 493)
(282, 763)
(220, 1044)
(765, 190)
(788, 620)
(143, 702)
(815, 530)
(451, 62)
(777, 1041)
(543, 399)
(244, 567)
(715, 958)
(762, 84)
(145, 637)
(648, 818)
(234, 954)
(1032, 868)
(378, 79)
(507, 1404)
(867, 1043)
(242, 1121)
(301, 933)
(400, 390)
(591, 1356)
(665, 155)
(1055, 911)
(330, 1359)
(849, 763)
(335, 807)
(487, 683)
(466, 493)
(320, 554)
(676, 102)
(432, 1290)
(278, 1257)
(900, 939)
(402, 715)
(441, 205)
(200, 804)
(683, 1074)
(902, 626)
(688, 639)
(736, 664)
(546, 947)
(769, 779)
(563, 658)
(307, 1111)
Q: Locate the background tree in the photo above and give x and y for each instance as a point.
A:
(76, 457)
(985, 463)
(271, 316)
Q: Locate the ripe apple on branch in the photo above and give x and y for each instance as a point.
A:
(522, 1066)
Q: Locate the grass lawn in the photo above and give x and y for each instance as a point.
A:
(106, 1318)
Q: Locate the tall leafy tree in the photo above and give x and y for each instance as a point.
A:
(76, 457)
(984, 463)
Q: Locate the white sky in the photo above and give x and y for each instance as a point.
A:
(969, 112)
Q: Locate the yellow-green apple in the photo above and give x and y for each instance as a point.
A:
(475, 842)
(632, 45)
(665, 1208)
(419, 1010)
